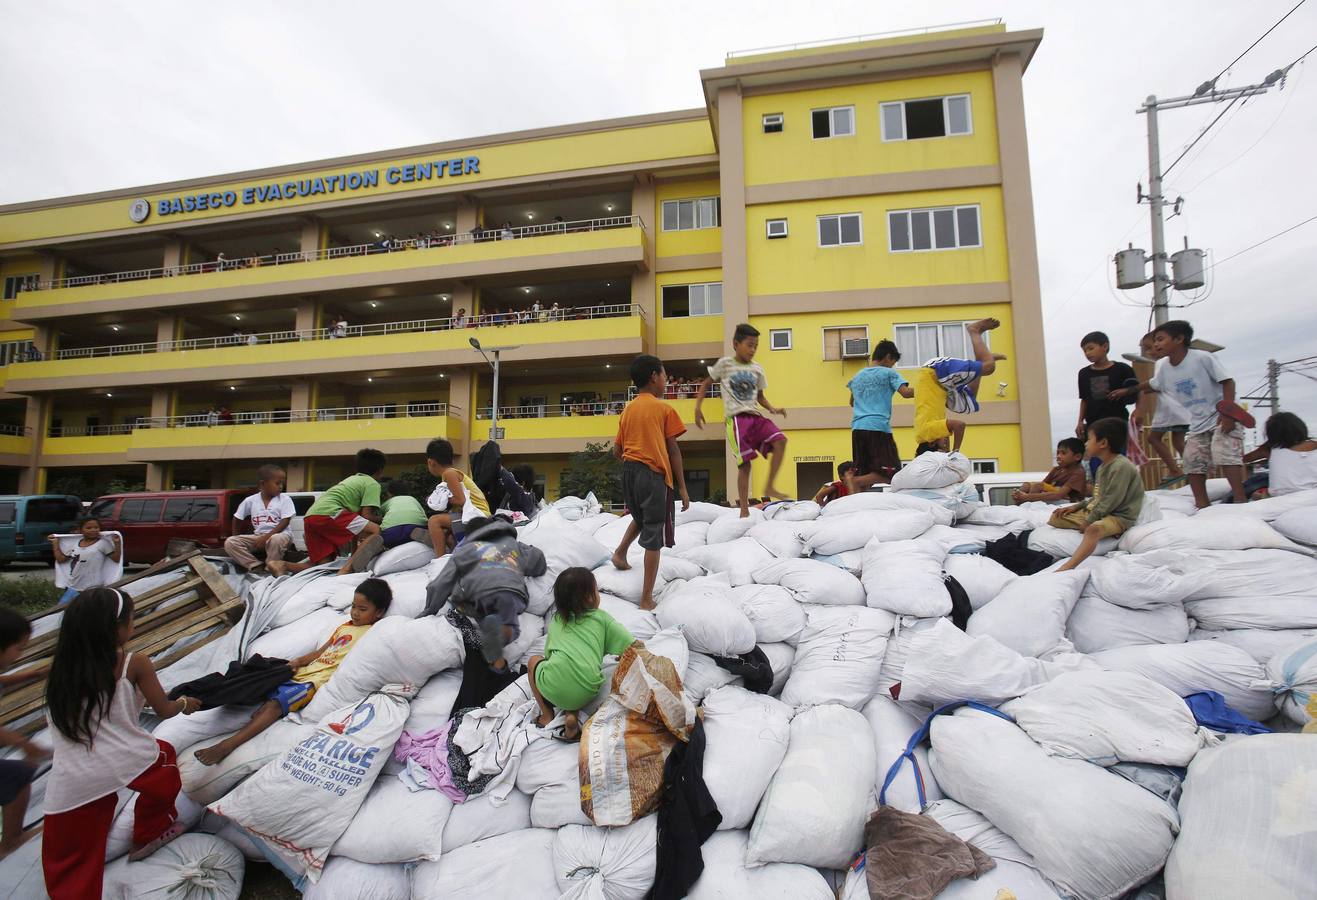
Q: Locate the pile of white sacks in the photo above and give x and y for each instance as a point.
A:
(1072, 796)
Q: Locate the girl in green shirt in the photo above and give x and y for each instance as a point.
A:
(570, 673)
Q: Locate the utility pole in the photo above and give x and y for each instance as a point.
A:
(1273, 385)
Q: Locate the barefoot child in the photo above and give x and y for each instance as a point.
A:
(16, 774)
(570, 673)
(873, 448)
(86, 559)
(456, 498)
(1067, 480)
(749, 432)
(347, 511)
(267, 514)
(1117, 495)
(93, 703)
(1169, 418)
(310, 672)
(646, 443)
(944, 383)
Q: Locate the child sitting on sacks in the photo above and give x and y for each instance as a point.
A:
(1117, 495)
(486, 581)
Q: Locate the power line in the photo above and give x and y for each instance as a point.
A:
(1258, 41)
(1260, 243)
(1229, 106)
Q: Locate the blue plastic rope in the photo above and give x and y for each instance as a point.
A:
(921, 735)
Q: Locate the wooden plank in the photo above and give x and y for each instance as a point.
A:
(219, 588)
(174, 656)
(154, 569)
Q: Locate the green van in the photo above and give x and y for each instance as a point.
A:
(26, 522)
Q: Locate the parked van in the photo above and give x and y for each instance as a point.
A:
(149, 520)
(26, 522)
(302, 501)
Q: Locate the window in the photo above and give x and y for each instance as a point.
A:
(53, 511)
(839, 121)
(16, 283)
(779, 339)
(688, 215)
(697, 484)
(776, 228)
(102, 508)
(680, 300)
(947, 228)
(204, 509)
(984, 466)
(913, 120)
(302, 504)
(135, 511)
(15, 351)
(840, 230)
(7, 513)
(834, 339)
(773, 123)
(176, 509)
(921, 342)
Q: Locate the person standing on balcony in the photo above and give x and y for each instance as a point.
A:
(459, 320)
(267, 514)
(212, 417)
(555, 312)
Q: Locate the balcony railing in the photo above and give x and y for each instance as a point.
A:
(219, 419)
(594, 407)
(343, 330)
(383, 245)
(15, 430)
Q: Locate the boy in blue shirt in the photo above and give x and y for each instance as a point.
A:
(873, 449)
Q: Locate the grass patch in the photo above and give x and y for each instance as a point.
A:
(29, 594)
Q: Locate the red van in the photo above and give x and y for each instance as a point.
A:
(149, 520)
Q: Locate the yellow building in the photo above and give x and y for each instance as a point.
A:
(832, 195)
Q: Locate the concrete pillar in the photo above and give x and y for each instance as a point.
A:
(175, 250)
(464, 297)
(44, 340)
(313, 237)
(36, 418)
(731, 175)
(52, 266)
(299, 475)
(168, 329)
(461, 412)
(157, 476)
(642, 282)
(308, 315)
(303, 395)
(162, 402)
(468, 214)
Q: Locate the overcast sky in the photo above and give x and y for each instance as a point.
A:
(103, 94)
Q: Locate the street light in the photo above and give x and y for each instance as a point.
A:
(493, 364)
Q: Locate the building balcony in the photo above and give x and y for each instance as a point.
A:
(275, 434)
(566, 428)
(15, 445)
(553, 246)
(616, 329)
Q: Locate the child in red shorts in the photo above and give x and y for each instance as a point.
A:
(350, 509)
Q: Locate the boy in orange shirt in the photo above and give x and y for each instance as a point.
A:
(646, 443)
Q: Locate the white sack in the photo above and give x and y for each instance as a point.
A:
(793, 511)
(702, 512)
(206, 784)
(1200, 666)
(828, 535)
(1299, 525)
(557, 806)
(1016, 870)
(898, 649)
(574, 509)
(933, 470)
(1093, 833)
(514, 865)
(870, 501)
(1148, 580)
(781, 657)
(1108, 718)
(982, 578)
(726, 529)
(703, 674)
(607, 535)
(1205, 533)
(812, 581)
(327, 590)
(563, 547)
(642, 623)
(1294, 670)
(726, 877)
(946, 664)
(709, 619)
(692, 534)
(394, 651)
(347, 879)
(805, 816)
(838, 656)
(1097, 625)
(408, 589)
(892, 728)
(548, 762)
(302, 803)
(782, 539)
(120, 840)
(1249, 821)
(625, 584)
(1268, 509)
(191, 867)
(1260, 643)
(592, 863)
(905, 578)
(209, 725)
(1030, 614)
(1234, 613)
(1061, 543)
(955, 539)
(591, 524)
(773, 611)
(739, 559)
(479, 818)
(429, 709)
(746, 737)
(396, 825)
(848, 560)
(298, 638)
(403, 558)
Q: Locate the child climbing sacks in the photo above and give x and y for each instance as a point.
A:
(945, 383)
(310, 672)
(570, 673)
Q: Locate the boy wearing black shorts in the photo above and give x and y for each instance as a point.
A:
(873, 449)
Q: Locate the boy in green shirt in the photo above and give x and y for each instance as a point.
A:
(1117, 495)
(403, 522)
(348, 510)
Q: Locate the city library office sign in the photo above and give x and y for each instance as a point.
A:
(338, 183)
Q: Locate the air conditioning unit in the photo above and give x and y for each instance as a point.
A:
(776, 228)
(773, 123)
(854, 348)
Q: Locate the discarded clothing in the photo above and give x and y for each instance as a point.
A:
(428, 752)
(626, 742)
(961, 608)
(480, 684)
(754, 667)
(1013, 552)
(687, 816)
(1209, 709)
(459, 765)
(242, 684)
(912, 856)
(494, 738)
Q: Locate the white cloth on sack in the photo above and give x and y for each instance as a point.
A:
(495, 737)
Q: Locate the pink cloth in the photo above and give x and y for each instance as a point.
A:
(430, 751)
